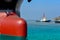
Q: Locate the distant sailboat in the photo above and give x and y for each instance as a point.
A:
(44, 19)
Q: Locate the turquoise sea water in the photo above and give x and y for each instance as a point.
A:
(43, 31)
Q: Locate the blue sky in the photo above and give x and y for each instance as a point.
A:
(35, 9)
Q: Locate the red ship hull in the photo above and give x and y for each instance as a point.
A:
(12, 27)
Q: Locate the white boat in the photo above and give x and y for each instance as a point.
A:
(44, 19)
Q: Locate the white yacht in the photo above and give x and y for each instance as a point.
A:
(44, 19)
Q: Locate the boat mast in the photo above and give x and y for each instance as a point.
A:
(43, 17)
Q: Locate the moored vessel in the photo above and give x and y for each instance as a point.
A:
(57, 19)
(44, 19)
